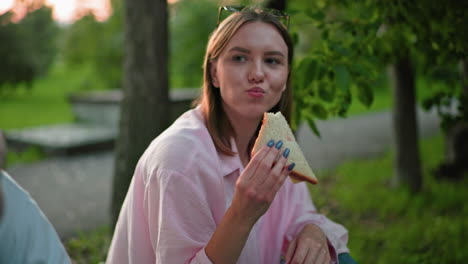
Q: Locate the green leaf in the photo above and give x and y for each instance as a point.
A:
(343, 103)
(342, 78)
(365, 94)
(321, 71)
(295, 38)
(317, 15)
(325, 34)
(307, 70)
(312, 125)
(319, 111)
(326, 91)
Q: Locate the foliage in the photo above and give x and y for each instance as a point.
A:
(89, 247)
(188, 42)
(336, 60)
(101, 43)
(434, 32)
(353, 41)
(98, 44)
(27, 48)
(391, 225)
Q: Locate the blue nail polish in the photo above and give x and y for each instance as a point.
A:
(286, 153)
(271, 143)
(291, 167)
(279, 144)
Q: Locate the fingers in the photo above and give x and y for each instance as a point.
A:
(264, 169)
(317, 256)
(256, 161)
(300, 254)
(301, 251)
(284, 174)
(279, 172)
(321, 258)
(291, 250)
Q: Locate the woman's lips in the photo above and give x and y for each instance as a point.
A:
(256, 92)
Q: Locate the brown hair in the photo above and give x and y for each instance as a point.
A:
(210, 100)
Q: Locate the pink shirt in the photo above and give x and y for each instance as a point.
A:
(179, 193)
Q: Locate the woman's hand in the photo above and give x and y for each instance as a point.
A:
(260, 181)
(309, 247)
(255, 190)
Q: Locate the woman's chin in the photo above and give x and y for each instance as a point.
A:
(255, 112)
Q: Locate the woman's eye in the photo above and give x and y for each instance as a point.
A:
(273, 61)
(239, 58)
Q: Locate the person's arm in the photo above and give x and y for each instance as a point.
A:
(309, 246)
(27, 235)
(255, 190)
(227, 242)
(306, 220)
(182, 210)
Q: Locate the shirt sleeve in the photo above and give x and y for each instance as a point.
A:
(305, 212)
(27, 235)
(180, 218)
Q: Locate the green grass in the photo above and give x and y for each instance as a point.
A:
(46, 101)
(89, 247)
(29, 155)
(391, 225)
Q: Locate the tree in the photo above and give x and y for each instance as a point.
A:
(439, 49)
(144, 110)
(98, 45)
(407, 158)
(357, 41)
(27, 47)
(188, 42)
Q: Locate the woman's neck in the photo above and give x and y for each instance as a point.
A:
(244, 131)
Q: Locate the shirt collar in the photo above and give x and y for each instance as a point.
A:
(228, 164)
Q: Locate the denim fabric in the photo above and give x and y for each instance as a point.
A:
(345, 258)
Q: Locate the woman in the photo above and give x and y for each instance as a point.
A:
(198, 196)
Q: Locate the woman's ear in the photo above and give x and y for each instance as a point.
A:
(214, 73)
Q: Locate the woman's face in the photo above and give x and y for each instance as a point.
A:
(252, 70)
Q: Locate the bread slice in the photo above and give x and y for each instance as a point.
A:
(275, 126)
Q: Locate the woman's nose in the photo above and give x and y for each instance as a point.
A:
(256, 72)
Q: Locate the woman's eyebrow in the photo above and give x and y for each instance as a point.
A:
(240, 49)
(268, 53)
(274, 52)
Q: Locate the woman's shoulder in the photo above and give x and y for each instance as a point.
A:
(184, 146)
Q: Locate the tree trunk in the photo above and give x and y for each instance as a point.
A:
(456, 138)
(407, 160)
(456, 145)
(464, 79)
(144, 109)
(277, 4)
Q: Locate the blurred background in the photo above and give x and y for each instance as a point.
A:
(380, 111)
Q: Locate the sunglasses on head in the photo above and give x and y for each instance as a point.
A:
(282, 16)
